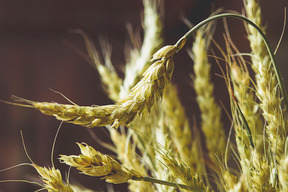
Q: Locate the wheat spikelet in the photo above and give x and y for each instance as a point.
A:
(53, 179)
(254, 163)
(267, 89)
(252, 174)
(93, 163)
(210, 112)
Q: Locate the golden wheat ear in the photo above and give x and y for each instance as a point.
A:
(87, 116)
(94, 163)
(143, 96)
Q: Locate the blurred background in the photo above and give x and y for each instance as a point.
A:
(34, 56)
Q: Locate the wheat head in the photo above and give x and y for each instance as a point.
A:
(53, 179)
(93, 163)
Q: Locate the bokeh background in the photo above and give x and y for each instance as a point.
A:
(34, 57)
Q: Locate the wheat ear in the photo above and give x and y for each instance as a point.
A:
(93, 163)
(144, 94)
(267, 86)
(210, 112)
(53, 179)
(152, 83)
(138, 60)
(255, 175)
(179, 128)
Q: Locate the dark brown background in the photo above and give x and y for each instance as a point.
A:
(34, 58)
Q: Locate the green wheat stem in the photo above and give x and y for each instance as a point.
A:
(264, 38)
(246, 126)
(167, 183)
